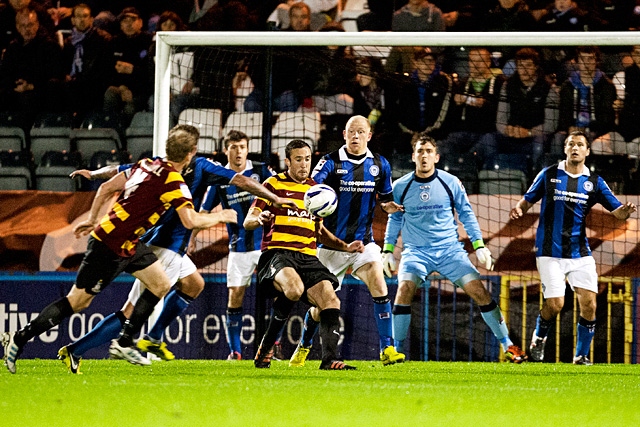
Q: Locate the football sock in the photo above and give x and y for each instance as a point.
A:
(586, 331)
(330, 333)
(382, 312)
(105, 331)
(279, 314)
(141, 312)
(175, 303)
(401, 321)
(310, 328)
(233, 328)
(543, 326)
(49, 317)
(493, 317)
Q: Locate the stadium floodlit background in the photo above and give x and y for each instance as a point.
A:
(445, 325)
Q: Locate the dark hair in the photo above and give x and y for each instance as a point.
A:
(81, 6)
(422, 138)
(181, 141)
(589, 50)
(578, 133)
(528, 53)
(234, 136)
(294, 145)
(169, 15)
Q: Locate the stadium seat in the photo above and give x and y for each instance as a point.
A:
(15, 170)
(12, 138)
(502, 181)
(98, 132)
(249, 123)
(50, 132)
(298, 125)
(209, 122)
(53, 172)
(139, 134)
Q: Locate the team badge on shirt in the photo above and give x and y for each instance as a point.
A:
(255, 177)
(374, 170)
(588, 186)
(425, 196)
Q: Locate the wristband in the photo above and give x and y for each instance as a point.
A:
(478, 244)
(388, 247)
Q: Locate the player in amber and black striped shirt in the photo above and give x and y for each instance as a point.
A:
(288, 269)
(147, 191)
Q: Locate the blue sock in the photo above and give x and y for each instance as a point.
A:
(586, 331)
(175, 303)
(382, 312)
(493, 318)
(233, 327)
(310, 328)
(543, 326)
(106, 330)
(401, 321)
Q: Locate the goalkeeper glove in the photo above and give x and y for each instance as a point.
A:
(388, 263)
(484, 257)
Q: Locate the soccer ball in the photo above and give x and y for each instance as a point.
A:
(320, 200)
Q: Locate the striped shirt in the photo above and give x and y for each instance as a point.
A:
(292, 228)
(152, 187)
(566, 201)
(358, 184)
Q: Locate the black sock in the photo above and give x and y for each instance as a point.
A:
(49, 317)
(141, 312)
(330, 333)
(279, 314)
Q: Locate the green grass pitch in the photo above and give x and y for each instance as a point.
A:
(220, 393)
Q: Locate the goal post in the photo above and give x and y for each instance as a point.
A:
(224, 54)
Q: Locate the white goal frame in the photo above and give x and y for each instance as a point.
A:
(165, 40)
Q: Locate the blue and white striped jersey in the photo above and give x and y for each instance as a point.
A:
(357, 183)
(566, 201)
(428, 219)
(230, 197)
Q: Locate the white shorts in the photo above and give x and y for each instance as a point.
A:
(580, 272)
(338, 262)
(240, 268)
(175, 265)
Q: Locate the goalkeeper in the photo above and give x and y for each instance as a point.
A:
(430, 198)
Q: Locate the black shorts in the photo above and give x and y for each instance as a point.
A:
(101, 265)
(308, 267)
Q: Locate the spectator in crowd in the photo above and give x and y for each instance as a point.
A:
(378, 18)
(87, 58)
(181, 60)
(8, 13)
(228, 15)
(31, 73)
(200, 7)
(587, 103)
(508, 15)
(319, 12)
(418, 15)
(128, 89)
(628, 104)
(327, 77)
(472, 118)
(528, 110)
(565, 15)
(424, 98)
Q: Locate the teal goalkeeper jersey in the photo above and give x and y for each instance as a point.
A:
(428, 218)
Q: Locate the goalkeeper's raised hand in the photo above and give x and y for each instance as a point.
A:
(484, 257)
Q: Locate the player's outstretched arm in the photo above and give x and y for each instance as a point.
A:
(106, 172)
(391, 207)
(103, 196)
(257, 189)
(257, 218)
(625, 211)
(329, 239)
(520, 209)
(192, 219)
